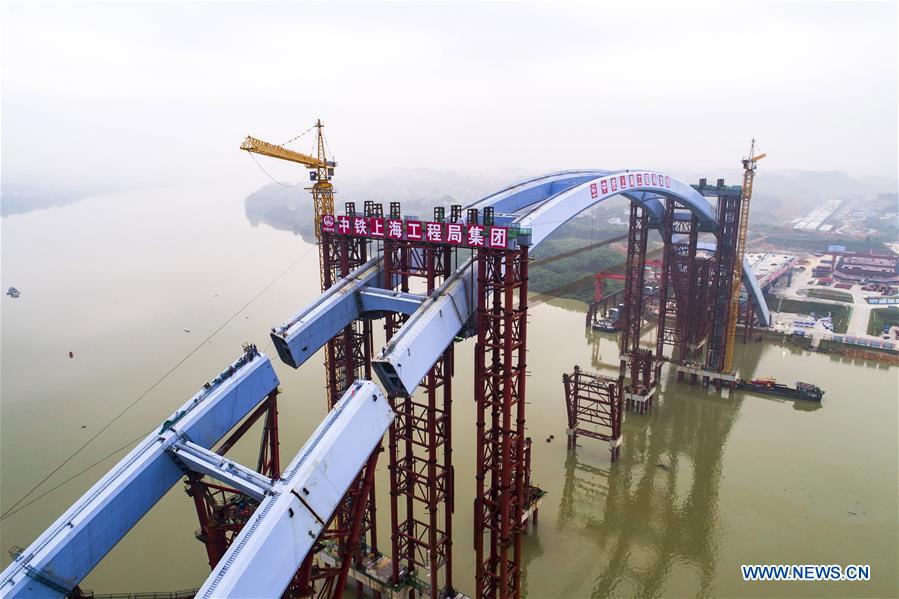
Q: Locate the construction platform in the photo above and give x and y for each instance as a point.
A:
(639, 402)
(698, 373)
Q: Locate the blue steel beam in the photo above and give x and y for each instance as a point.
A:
(531, 191)
(408, 356)
(351, 297)
(301, 336)
(548, 214)
(562, 207)
(266, 554)
(73, 545)
(374, 300)
(203, 461)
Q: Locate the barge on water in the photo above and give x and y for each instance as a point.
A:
(806, 391)
(605, 325)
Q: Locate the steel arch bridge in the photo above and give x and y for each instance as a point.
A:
(486, 295)
(545, 203)
(542, 204)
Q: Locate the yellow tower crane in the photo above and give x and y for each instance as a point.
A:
(321, 170)
(749, 166)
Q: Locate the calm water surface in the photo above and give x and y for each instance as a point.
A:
(704, 483)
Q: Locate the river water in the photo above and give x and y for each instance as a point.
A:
(704, 484)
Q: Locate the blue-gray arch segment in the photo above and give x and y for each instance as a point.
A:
(545, 203)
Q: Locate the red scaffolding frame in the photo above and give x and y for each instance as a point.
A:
(722, 280)
(420, 438)
(500, 369)
(633, 360)
(594, 407)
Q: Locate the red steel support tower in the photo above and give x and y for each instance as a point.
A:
(748, 320)
(500, 364)
(683, 287)
(631, 317)
(725, 256)
(420, 438)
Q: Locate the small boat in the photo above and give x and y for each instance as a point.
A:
(13, 292)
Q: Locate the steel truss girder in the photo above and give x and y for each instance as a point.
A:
(72, 546)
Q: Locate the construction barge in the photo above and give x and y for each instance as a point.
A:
(804, 391)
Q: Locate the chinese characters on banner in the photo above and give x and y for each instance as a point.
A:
(472, 235)
(617, 183)
(413, 230)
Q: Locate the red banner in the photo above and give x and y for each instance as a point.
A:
(459, 234)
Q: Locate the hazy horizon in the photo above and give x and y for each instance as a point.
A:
(136, 94)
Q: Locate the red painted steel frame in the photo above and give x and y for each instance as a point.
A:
(632, 312)
(683, 289)
(419, 440)
(594, 408)
(725, 255)
(500, 366)
(748, 321)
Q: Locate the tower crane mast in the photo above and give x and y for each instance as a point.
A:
(749, 166)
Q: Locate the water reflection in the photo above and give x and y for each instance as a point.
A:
(531, 549)
(658, 507)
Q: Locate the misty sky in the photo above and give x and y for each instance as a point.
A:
(138, 94)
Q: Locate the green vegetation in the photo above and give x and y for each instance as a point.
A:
(831, 294)
(881, 318)
(839, 314)
(572, 277)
